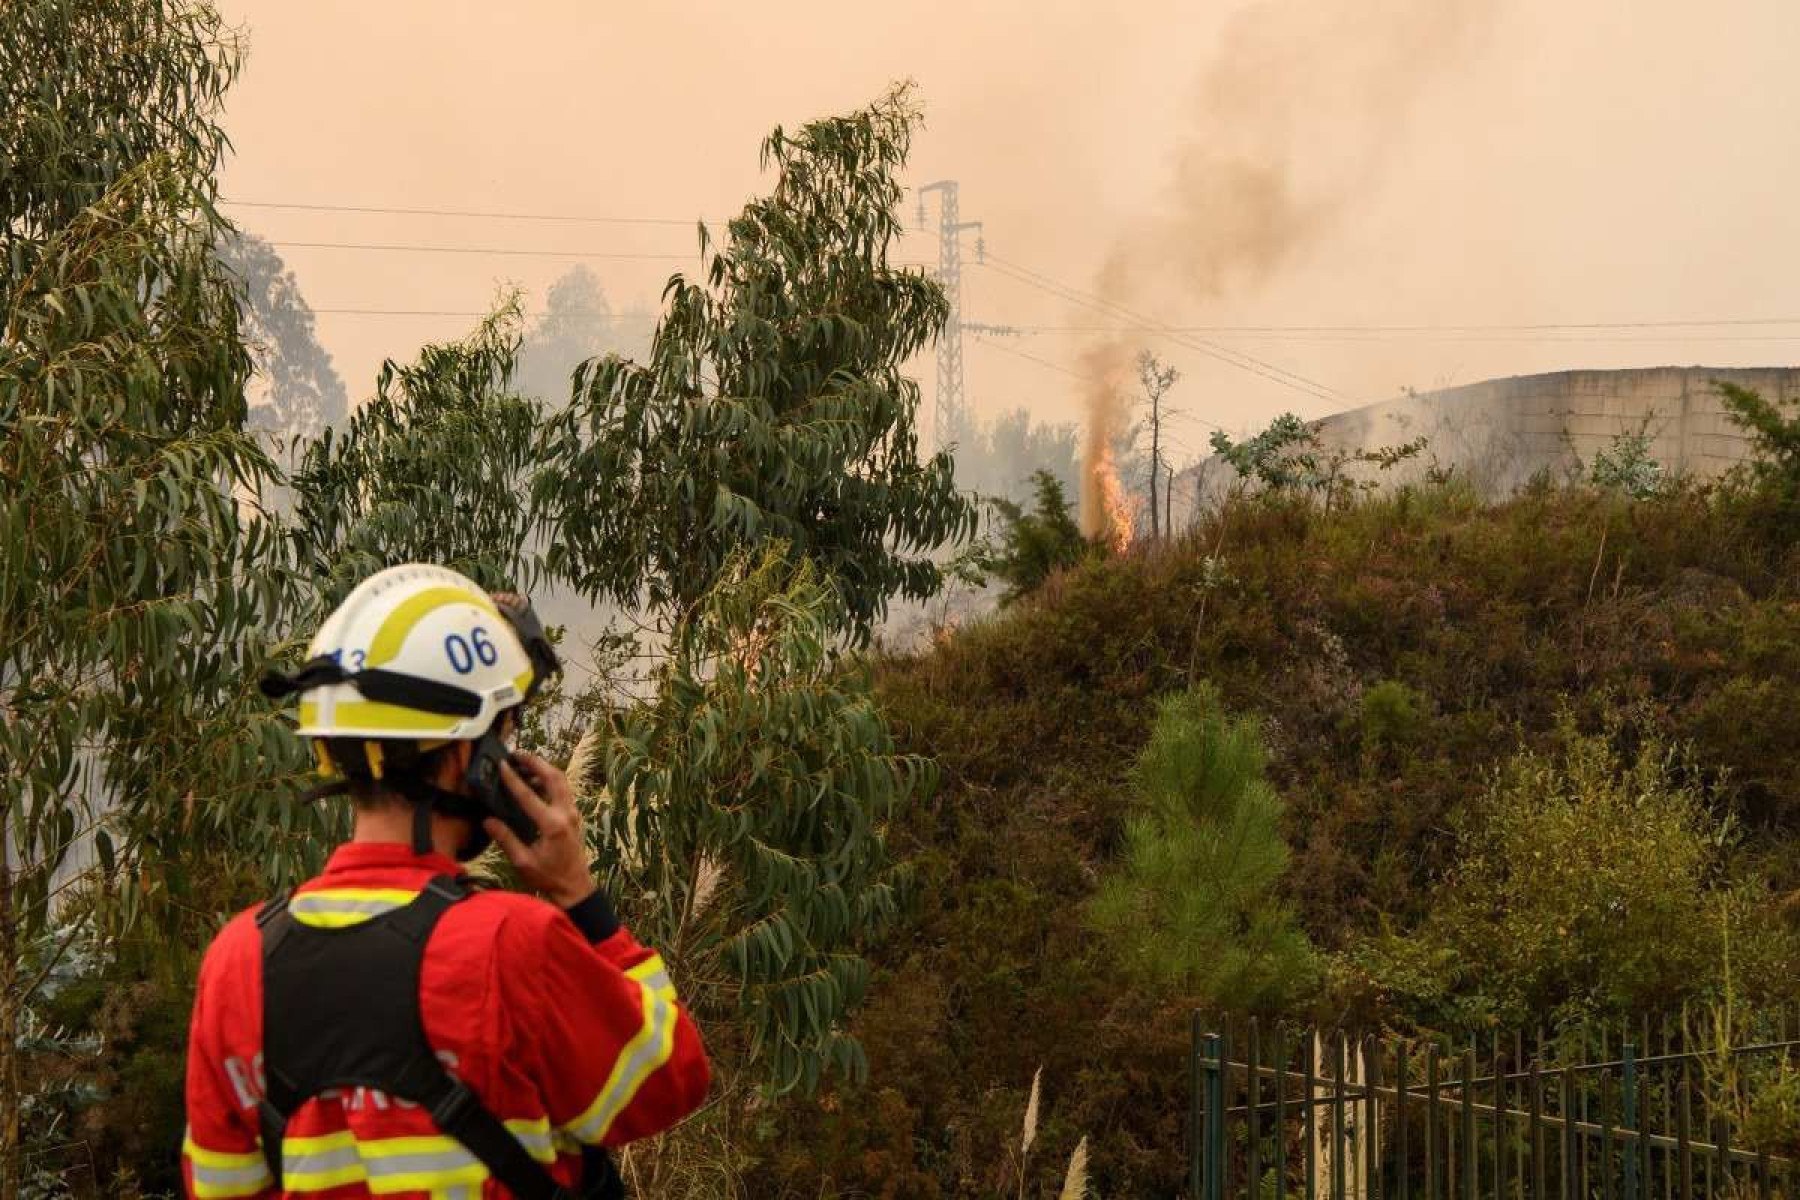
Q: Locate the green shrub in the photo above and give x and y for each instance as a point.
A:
(1771, 1124)
(1390, 714)
(1774, 439)
(1033, 545)
(1195, 903)
(1626, 466)
(1587, 884)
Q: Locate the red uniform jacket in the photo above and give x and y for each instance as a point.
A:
(568, 1042)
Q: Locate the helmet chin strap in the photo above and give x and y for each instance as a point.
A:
(429, 797)
(421, 829)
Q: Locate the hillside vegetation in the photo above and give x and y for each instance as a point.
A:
(1469, 712)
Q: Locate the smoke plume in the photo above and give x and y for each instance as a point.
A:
(1292, 122)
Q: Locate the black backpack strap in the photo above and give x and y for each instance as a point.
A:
(416, 921)
(273, 921)
(600, 1179)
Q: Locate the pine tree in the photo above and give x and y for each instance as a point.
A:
(1194, 903)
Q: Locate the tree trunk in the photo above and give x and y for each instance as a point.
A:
(1155, 466)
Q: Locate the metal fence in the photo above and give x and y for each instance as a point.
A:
(1617, 1114)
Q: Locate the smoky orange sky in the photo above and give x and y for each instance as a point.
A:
(1556, 162)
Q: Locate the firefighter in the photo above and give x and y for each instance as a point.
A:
(392, 1028)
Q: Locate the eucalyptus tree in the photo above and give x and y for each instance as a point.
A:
(435, 467)
(131, 572)
(773, 406)
(754, 788)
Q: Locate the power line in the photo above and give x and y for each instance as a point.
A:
(458, 312)
(501, 250)
(1058, 367)
(1663, 339)
(510, 251)
(398, 312)
(972, 325)
(1352, 332)
(1146, 326)
(457, 212)
(1042, 362)
(1235, 358)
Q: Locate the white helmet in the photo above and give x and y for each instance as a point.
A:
(417, 652)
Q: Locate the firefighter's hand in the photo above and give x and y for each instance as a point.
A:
(555, 864)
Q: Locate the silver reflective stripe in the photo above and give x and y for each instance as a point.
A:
(537, 1143)
(246, 1178)
(657, 981)
(645, 1052)
(434, 1161)
(316, 1162)
(329, 904)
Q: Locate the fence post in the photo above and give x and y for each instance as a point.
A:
(1683, 1124)
(1471, 1159)
(1371, 1143)
(1197, 1109)
(1722, 1154)
(1536, 1135)
(1281, 1069)
(1401, 1146)
(1502, 1130)
(1217, 1142)
(1253, 1138)
(1572, 1140)
(1341, 1052)
(1631, 1119)
(1432, 1190)
(1207, 1129)
(1313, 1045)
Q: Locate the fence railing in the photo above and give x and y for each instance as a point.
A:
(1309, 1114)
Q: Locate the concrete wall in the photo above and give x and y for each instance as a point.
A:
(1502, 432)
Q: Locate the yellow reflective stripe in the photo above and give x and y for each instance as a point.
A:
(396, 895)
(224, 1175)
(329, 920)
(648, 1049)
(651, 973)
(226, 1159)
(424, 1162)
(316, 1144)
(536, 1137)
(313, 1164)
(208, 1185)
(372, 714)
(388, 639)
(337, 908)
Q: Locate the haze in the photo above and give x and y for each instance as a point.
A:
(1553, 164)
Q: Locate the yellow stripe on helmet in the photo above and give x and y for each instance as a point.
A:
(385, 719)
(392, 635)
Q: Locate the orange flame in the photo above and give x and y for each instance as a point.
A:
(1108, 513)
(1119, 509)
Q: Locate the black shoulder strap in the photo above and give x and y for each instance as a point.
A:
(366, 959)
(459, 1113)
(273, 921)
